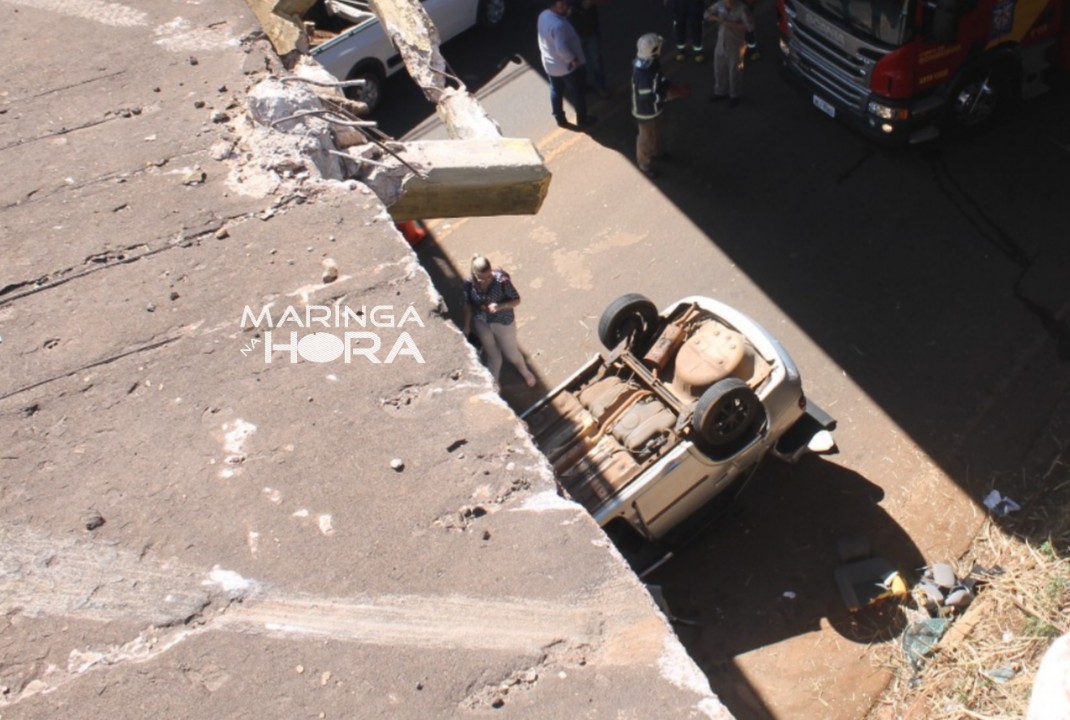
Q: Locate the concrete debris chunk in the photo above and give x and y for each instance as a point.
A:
(330, 271)
(194, 176)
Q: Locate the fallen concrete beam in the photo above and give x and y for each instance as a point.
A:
(484, 175)
(463, 178)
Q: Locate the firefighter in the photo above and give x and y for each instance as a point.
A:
(687, 25)
(650, 91)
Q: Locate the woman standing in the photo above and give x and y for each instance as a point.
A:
(489, 299)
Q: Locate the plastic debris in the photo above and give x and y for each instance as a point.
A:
(821, 442)
(1001, 674)
(941, 592)
(397, 464)
(868, 581)
(920, 637)
(959, 597)
(1000, 505)
(789, 595)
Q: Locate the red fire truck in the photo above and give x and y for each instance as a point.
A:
(906, 70)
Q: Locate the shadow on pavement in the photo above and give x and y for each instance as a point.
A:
(736, 597)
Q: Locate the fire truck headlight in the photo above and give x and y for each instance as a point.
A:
(884, 112)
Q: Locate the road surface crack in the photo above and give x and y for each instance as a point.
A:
(989, 230)
(146, 347)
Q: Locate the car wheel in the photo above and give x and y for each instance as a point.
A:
(491, 12)
(372, 91)
(979, 99)
(727, 414)
(629, 316)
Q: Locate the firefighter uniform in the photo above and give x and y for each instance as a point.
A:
(649, 93)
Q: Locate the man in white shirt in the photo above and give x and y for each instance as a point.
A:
(563, 60)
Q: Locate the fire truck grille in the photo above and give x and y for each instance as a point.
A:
(840, 75)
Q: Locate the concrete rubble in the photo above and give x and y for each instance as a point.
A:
(207, 515)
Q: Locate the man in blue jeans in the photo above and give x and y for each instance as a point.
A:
(563, 60)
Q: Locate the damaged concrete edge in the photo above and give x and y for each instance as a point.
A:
(510, 175)
(281, 20)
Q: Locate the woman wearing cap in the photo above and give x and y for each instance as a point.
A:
(489, 300)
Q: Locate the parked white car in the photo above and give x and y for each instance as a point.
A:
(365, 52)
(681, 404)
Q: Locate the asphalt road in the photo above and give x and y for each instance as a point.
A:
(922, 291)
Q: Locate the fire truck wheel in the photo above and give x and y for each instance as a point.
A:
(629, 316)
(980, 98)
(727, 414)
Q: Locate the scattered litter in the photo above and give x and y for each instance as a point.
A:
(397, 464)
(941, 592)
(869, 581)
(959, 597)
(943, 575)
(1001, 674)
(920, 637)
(151, 307)
(1000, 505)
(821, 442)
(789, 595)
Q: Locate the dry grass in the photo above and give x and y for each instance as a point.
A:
(984, 666)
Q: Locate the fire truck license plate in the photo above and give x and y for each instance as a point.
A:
(824, 106)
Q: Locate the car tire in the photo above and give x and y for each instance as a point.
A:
(631, 315)
(979, 99)
(491, 12)
(372, 92)
(727, 414)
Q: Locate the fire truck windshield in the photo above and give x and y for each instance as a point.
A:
(885, 21)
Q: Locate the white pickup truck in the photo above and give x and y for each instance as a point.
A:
(365, 52)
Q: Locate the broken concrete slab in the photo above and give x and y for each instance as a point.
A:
(260, 553)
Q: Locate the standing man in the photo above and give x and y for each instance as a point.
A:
(584, 17)
(650, 91)
(735, 20)
(687, 25)
(563, 61)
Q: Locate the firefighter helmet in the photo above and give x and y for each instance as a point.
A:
(649, 46)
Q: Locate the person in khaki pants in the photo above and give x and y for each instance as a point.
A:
(650, 91)
(736, 22)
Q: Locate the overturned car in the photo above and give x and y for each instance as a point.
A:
(681, 404)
